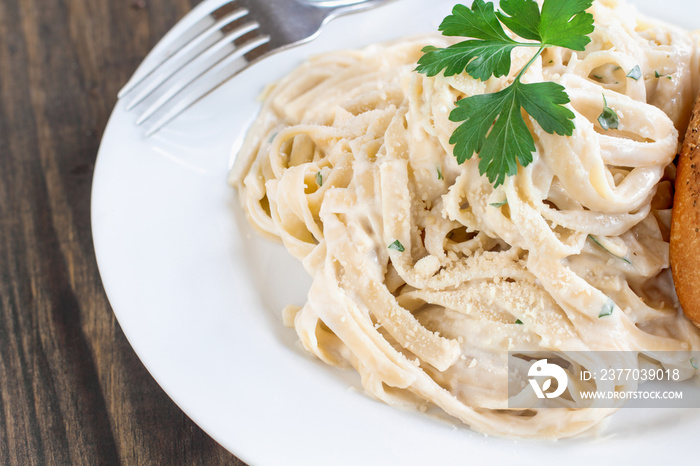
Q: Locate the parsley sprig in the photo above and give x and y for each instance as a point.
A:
(492, 124)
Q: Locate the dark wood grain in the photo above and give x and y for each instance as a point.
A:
(72, 391)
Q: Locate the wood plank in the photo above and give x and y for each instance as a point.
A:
(71, 388)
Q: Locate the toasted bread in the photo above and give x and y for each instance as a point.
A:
(685, 226)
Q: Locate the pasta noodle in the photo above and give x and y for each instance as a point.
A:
(424, 274)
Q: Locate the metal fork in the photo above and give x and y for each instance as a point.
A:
(217, 40)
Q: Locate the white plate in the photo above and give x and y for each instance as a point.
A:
(199, 295)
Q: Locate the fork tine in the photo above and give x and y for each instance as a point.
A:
(215, 75)
(197, 67)
(204, 86)
(183, 32)
(186, 55)
(194, 55)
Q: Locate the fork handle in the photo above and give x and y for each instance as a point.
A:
(342, 3)
(339, 7)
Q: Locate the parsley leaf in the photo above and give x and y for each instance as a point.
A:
(479, 22)
(492, 124)
(566, 23)
(523, 18)
(508, 138)
(545, 103)
(481, 59)
(561, 23)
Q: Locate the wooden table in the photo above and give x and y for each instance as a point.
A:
(72, 391)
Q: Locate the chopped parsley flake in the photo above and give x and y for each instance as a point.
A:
(608, 308)
(397, 246)
(635, 73)
(608, 119)
(595, 240)
(657, 75)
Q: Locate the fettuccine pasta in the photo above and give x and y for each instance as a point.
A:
(424, 274)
